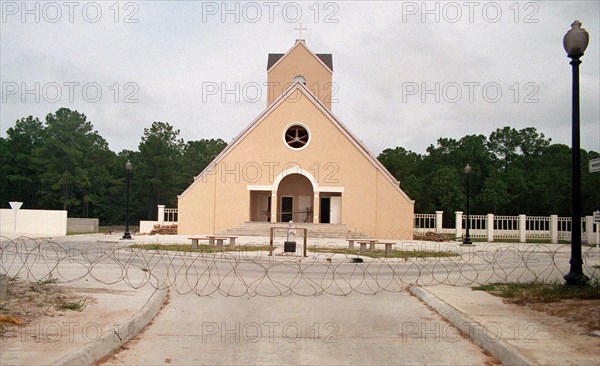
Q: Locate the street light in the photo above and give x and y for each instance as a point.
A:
(127, 234)
(467, 238)
(575, 43)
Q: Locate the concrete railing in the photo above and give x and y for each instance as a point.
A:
(520, 228)
(166, 216)
(489, 227)
(428, 222)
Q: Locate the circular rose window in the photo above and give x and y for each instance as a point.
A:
(296, 137)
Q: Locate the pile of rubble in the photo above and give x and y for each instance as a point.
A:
(431, 236)
(164, 230)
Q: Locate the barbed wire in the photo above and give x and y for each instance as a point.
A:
(328, 269)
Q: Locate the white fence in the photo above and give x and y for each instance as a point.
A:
(430, 222)
(489, 227)
(521, 228)
(169, 216)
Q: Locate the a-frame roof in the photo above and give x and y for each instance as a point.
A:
(298, 86)
(325, 59)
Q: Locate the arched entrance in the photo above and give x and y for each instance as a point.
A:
(295, 195)
(295, 199)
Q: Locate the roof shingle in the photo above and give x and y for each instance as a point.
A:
(327, 59)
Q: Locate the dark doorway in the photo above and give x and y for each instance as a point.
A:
(325, 210)
(287, 204)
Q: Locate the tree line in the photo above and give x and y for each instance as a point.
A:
(513, 172)
(63, 163)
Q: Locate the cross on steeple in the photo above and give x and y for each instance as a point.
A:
(300, 29)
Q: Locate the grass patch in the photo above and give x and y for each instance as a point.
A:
(12, 278)
(74, 306)
(538, 292)
(379, 253)
(513, 241)
(202, 248)
(48, 280)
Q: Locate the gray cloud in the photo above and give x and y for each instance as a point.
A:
(380, 50)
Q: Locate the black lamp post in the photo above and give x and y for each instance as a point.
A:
(575, 43)
(127, 234)
(467, 238)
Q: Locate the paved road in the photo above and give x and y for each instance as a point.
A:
(387, 328)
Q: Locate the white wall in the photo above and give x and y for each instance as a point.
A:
(76, 225)
(34, 223)
(147, 226)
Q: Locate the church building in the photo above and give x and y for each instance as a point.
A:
(297, 161)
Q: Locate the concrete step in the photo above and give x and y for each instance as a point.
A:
(333, 231)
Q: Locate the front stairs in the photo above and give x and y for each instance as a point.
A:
(330, 231)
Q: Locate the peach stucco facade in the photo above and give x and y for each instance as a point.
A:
(330, 178)
(300, 61)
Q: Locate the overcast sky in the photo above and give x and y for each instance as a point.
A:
(405, 72)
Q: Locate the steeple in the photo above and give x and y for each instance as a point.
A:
(300, 64)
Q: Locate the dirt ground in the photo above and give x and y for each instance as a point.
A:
(28, 301)
(583, 308)
(582, 312)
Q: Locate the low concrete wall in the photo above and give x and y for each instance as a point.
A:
(34, 223)
(77, 225)
(147, 226)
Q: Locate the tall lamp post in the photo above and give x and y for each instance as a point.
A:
(127, 234)
(467, 238)
(575, 43)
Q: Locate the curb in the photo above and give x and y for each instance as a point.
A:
(111, 341)
(483, 336)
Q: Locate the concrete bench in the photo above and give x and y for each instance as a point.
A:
(211, 240)
(195, 240)
(388, 246)
(372, 243)
(351, 242)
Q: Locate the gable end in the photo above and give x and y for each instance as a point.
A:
(336, 122)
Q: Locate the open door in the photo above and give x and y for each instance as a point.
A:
(325, 211)
(287, 206)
